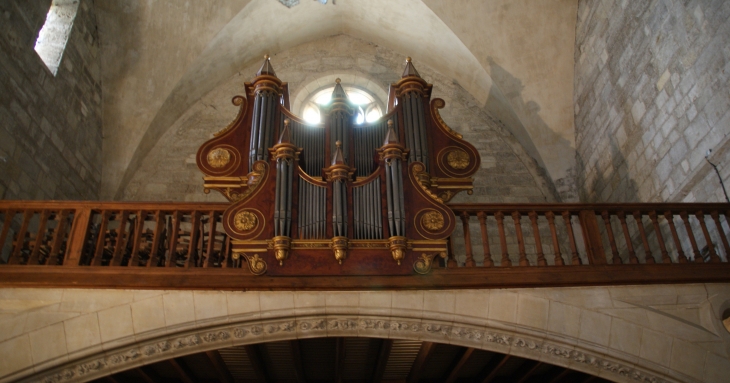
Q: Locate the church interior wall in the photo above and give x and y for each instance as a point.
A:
(651, 98)
(623, 333)
(507, 173)
(50, 126)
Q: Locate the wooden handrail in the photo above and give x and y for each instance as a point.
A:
(168, 244)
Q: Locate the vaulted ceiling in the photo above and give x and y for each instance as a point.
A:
(159, 58)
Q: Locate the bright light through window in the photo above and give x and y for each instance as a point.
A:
(368, 109)
(53, 36)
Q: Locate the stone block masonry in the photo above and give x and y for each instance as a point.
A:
(651, 98)
(50, 126)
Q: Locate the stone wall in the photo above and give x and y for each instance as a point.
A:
(659, 333)
(651, 98)
(507, 173)
(50, 127)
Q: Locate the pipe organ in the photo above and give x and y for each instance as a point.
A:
(338, 197)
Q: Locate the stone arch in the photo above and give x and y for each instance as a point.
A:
(116, 330)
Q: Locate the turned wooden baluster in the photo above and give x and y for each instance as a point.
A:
(554, 233)
(681, 258)
(9, 214)
(122, 240)
(58, 236)
(467, 239)
(505, 261)
(648, 258)
(190, 260)
(488, 262)
(175, 235)
(660, 237)
(520, 240)
(713, 255)
(211, 240)
(629, 246)
(720, 231)
(33, 259)
(692, 240)
(575, 259)
(538, 243)
(101, 238)
(20, 238)
(224, 256)
(156, 239)
(616, 260)
(138, 232)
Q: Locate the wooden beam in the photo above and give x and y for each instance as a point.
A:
(220, 366)
(148, 375)
(385, 346)
(492, 368)
(588, 379)
(531, 370)
(296, 353)
(456, 278)
(415, 374)
(561, 375)
(465, 355)
(339, 359)
(186, 375)
(257, 362)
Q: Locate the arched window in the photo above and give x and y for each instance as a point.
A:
(53, 36)
(369, 107)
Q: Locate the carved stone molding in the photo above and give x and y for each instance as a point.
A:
(389, 327)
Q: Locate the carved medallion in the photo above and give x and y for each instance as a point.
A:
(432, 220)
(219, 158)
(458, 159)
(245, 220)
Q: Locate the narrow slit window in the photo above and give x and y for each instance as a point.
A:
(53, 37)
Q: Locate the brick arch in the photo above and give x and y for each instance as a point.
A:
(175, 323)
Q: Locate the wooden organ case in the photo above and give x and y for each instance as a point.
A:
(337, 197)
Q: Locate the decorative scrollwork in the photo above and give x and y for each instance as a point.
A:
(437, 104)
(417, 170)
(432, 220)
(219, 157)
(458, 159)
(245, 220)
(423, 264)
(256, 264)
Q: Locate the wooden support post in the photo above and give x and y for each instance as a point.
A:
(77, 239)
(592, 237)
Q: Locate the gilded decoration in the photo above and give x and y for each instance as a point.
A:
(425, 262)
(219, 157)
(458, 159)
(432, 220)
(245, 220)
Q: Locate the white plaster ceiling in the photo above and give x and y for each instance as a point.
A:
(160, 57)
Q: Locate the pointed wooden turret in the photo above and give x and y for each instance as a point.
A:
(266, 67)
(338, 93)
(338, 158)
(410, 70)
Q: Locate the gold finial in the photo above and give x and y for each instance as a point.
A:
(338, 143)
(337, 80)
(390, 123)
(266, 57)
(408, 59)
(286, 122)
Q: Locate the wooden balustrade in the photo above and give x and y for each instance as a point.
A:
(73, 234)
(167, 245)
(587, 232)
